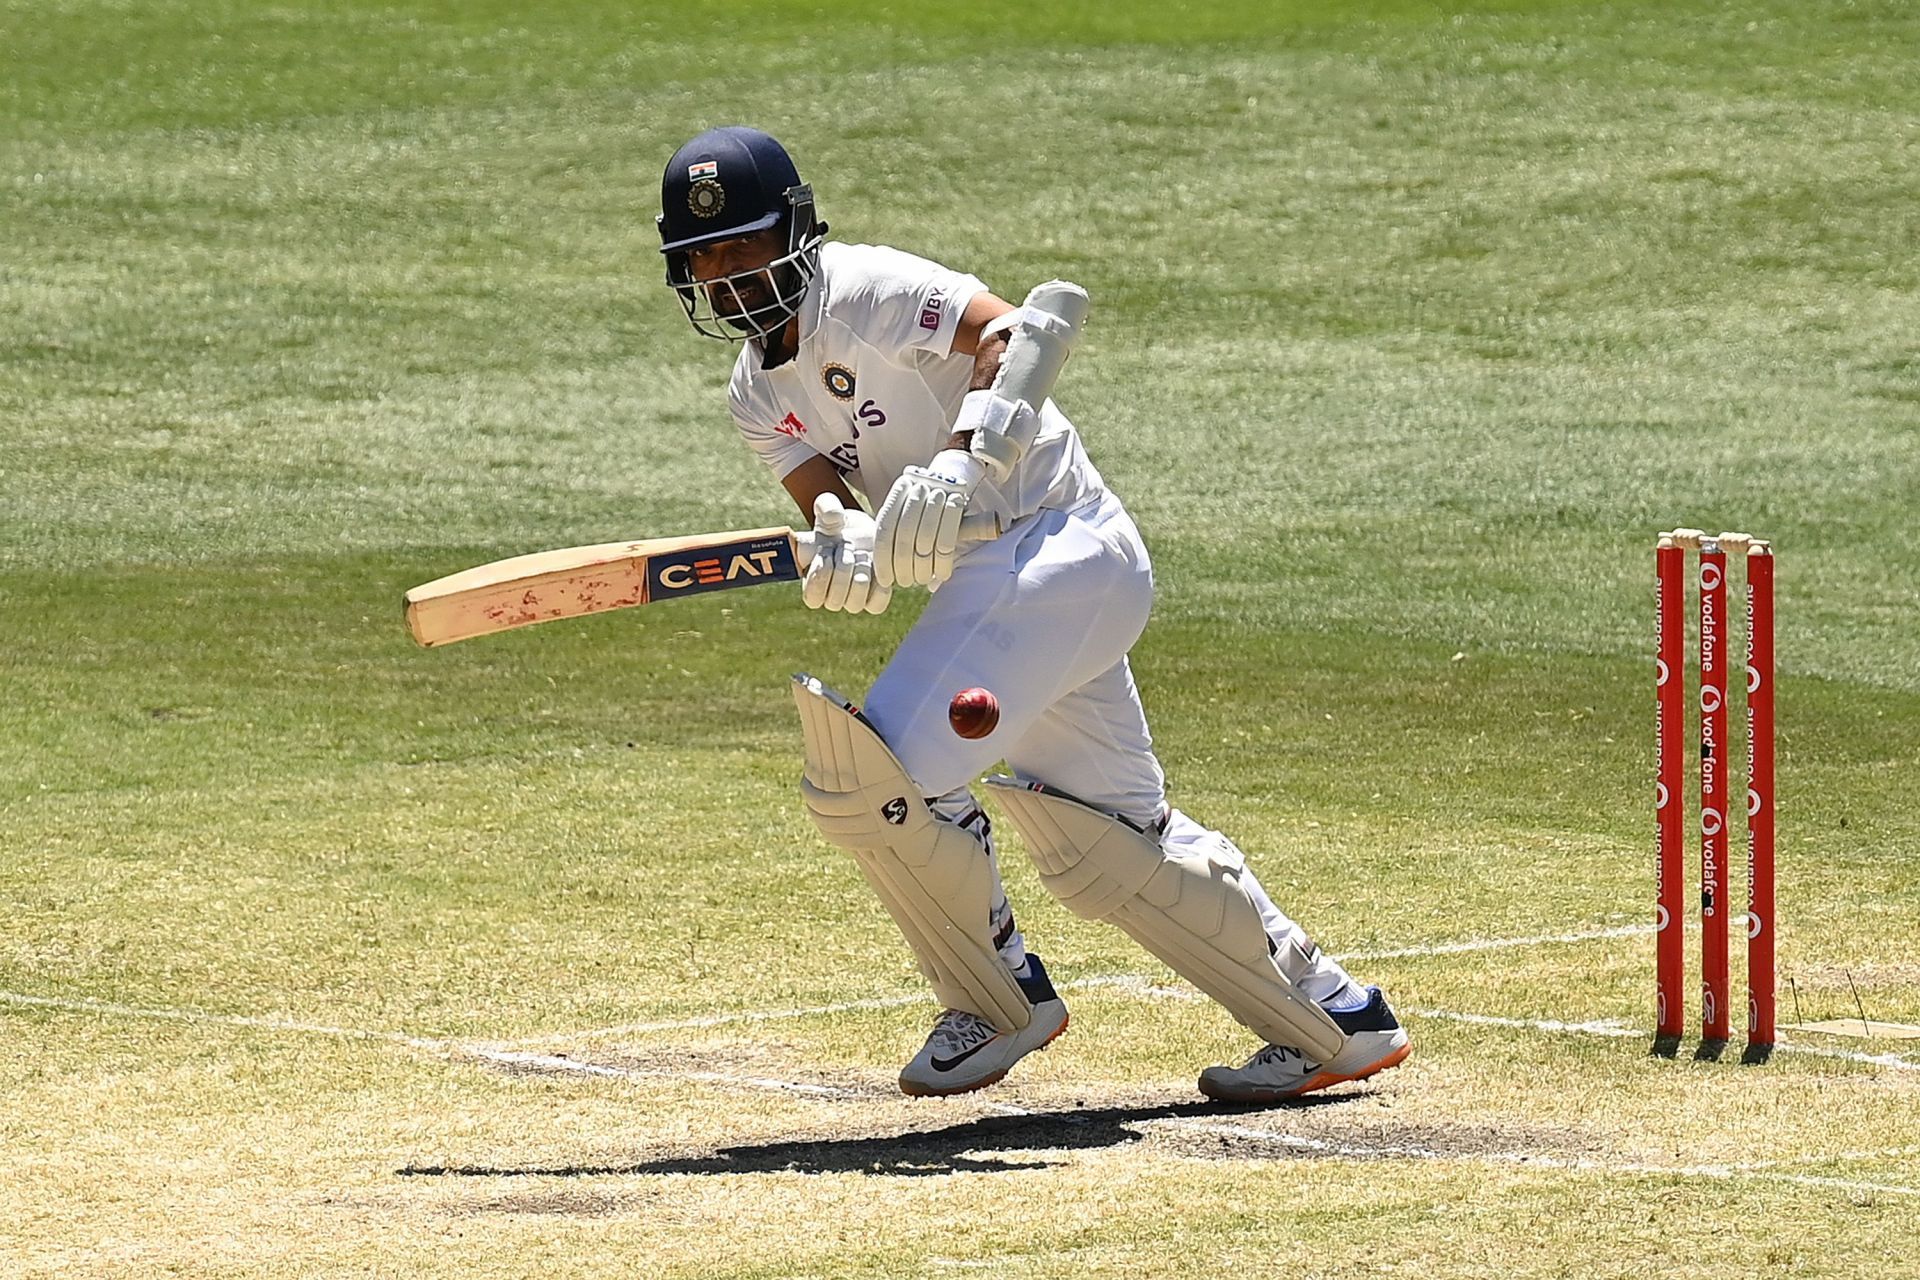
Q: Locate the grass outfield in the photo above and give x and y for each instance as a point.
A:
(324, 955)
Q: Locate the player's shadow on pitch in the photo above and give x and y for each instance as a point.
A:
(979, 1146)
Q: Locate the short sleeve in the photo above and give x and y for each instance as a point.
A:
(773, 442)
(899, 302)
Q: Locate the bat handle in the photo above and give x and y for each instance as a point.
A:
(980, 526)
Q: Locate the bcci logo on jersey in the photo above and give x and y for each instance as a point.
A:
(737, 564)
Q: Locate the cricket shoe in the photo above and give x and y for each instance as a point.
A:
(1375, 1041)
(966, 1052)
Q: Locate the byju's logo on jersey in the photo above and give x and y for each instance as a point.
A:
(930, 314)
(737, 564)
(838, 380)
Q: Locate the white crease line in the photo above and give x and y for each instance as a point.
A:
(1124, 980)
(222, 1019)
(726, 1019)
(1615, 1030)
(1893, 1060)
(1837, 1157)
(545, 1062)
(549, 1062)
(1609, 1027)
(1497, 944)
(1810, 1180)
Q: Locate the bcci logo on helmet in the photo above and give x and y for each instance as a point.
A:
(707, 198)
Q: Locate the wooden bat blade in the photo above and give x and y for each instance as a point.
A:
(572, 582)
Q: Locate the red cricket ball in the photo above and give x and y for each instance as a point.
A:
(973, 712)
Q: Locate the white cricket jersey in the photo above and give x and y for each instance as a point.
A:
(876, 384)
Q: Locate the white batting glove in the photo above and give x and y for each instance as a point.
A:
(841, 576)
(919, 524)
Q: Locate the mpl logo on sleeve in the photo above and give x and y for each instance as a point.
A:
(737, 564)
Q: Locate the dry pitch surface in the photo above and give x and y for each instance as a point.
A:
(771, 1142)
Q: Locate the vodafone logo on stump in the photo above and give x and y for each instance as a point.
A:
(1724, 560)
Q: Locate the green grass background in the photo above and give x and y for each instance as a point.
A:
(1413, 323)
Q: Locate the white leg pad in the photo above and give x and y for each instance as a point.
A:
(1186, 907)
(934, 878)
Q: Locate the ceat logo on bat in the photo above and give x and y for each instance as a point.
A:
(715, 568)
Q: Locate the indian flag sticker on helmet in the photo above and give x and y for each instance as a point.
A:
(706, 198)
(705, 169)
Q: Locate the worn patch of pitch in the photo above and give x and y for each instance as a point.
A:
(992, 1134)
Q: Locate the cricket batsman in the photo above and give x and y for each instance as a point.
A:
(906, 409)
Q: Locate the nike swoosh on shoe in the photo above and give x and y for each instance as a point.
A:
(948, 1064)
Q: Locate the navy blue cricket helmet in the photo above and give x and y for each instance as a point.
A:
(730, 182)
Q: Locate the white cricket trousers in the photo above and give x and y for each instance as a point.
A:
(1043, 617)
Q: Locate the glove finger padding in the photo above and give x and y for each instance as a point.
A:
(926, 531)
(840, 583)
(947, 536)
(865, 595)
(859, 586)
(813, 588)
(906, 532)
(829, 528)
(886, 525)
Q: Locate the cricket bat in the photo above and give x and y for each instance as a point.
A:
(576, 581)
(573, 582)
